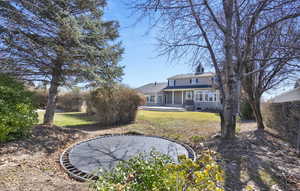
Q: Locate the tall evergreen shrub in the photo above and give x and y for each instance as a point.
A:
(17, 110)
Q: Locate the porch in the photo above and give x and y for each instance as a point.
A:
(199, 99)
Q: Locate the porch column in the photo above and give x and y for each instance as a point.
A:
(182, 97)
(173, 97)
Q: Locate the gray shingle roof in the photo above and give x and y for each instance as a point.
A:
(152, 88)
(293, 95)
(192, 75)
(188, 87)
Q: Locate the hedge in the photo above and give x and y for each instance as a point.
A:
(285, 119)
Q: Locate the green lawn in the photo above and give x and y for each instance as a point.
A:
(176, 125)
(69, 119)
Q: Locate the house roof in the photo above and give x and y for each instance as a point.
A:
(152, 88)
(187, 87)
(192, 75)
(292, 95)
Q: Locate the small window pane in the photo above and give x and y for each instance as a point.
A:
(188, 95)
(206, 97)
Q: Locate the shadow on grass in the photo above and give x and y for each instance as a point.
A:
(260, 158)
(79, 116)
(91, 127)
(93, 124)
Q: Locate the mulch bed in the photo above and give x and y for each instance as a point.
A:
(256, 158)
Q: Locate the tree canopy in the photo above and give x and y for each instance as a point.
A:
(59, 41)
(36, 36)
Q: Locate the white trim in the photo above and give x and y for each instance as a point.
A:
(187, 89)
(173, 101)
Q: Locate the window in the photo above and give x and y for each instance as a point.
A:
(206, 96)
(199, 96)
(194, 81)
(211, 96)
(171, 82)
(152, 99)
(189, 95)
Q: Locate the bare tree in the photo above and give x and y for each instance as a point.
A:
(275, 59)
(223, 29)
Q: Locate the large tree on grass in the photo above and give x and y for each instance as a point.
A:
(222, 31)
(58, 41)
(276, 60)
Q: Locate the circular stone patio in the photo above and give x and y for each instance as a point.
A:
(83, 160)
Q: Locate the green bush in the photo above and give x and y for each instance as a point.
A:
(157, 173)
(115, 105)
(246, 112)
(17, 111)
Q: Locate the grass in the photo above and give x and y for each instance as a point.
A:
(191, 116)
(69, 119)
(176, 125)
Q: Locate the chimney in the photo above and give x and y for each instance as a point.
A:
(199, 69)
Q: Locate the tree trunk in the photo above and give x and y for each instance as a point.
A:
(231, 83)
(52, 96)
(228, 119)
(255, 105)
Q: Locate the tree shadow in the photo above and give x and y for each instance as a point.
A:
(91, 127)
(257, 158)
(78, 115)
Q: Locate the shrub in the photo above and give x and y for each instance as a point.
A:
(17, 111)
(113, 106)
(40, 98)
(285, 119)
(246, 112)
(71, 101)
(157, 173)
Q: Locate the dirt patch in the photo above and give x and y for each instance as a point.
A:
(258, 159)
(33, 164)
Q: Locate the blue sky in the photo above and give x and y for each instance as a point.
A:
(142, 65)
